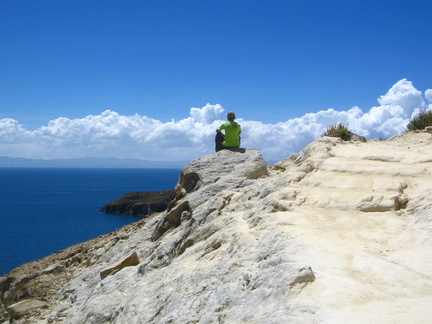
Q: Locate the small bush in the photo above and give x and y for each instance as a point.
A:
(338, 130)
(421, 121)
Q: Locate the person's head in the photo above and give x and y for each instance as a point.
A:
(231, 116)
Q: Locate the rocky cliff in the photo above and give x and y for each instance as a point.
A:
(339, 233)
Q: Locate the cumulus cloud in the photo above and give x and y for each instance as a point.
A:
(112, 135)
(428, 95)
(11, 131)
(207, 114)
(403, 94)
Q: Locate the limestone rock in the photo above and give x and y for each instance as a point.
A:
(216, 172)
(24, 307)
(204, 178)
(131, 260)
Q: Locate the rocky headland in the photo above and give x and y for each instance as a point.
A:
(339, 233)
(140, 203)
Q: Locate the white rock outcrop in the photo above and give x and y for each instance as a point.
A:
(339, 233)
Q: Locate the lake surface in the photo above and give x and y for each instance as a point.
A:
(46, 210)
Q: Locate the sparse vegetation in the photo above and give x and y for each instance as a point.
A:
(338, 130)
(421, 121)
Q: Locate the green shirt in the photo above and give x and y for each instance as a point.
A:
(232, 131)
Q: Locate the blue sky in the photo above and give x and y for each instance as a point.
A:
(269, 61)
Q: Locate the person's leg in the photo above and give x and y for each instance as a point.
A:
(218, 142)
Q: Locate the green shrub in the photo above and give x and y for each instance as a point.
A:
(338, 130)
(421, 121)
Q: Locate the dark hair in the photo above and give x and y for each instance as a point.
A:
(231, 116)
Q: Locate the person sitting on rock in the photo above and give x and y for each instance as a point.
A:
(231, 138)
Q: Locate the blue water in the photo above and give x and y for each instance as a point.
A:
(46, 210)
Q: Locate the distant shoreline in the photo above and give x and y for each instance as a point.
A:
(106, 163)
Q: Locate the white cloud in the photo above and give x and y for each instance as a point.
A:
(11, 130)
(404, 94)
(112, 135)
(428, 95)
(207, 114)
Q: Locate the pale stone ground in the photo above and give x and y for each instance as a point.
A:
(370, 267)
(340, 233)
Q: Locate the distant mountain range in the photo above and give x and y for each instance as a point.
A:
(7, 162)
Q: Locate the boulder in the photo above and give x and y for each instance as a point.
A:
(204, 178)
(215, 172)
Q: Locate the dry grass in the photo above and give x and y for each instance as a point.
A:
(338, 130)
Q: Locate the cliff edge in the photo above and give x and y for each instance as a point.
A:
(339, 233)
